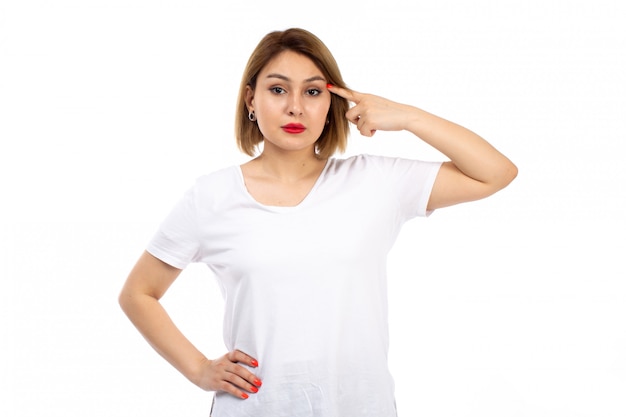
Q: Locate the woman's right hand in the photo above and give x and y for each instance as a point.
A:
(146, 284)
(227, 375)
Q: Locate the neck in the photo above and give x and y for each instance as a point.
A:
(290, 166)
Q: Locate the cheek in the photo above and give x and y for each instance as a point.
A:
(265, 105)
(266, 110)
(320, 110)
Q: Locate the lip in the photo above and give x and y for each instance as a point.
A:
(293, 128)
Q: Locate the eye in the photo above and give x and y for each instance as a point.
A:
(313, 92)
(277, 90)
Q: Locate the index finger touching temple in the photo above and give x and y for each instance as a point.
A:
(344, 93)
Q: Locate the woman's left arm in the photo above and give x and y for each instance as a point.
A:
(475, 170)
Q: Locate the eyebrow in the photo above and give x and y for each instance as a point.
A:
(285, 78)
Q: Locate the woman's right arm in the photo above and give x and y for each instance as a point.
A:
(139, 299)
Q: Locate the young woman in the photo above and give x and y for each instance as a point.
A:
(298, 239)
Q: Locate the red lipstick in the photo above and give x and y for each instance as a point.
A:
(293, 128)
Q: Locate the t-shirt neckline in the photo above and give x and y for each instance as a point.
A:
(283, 209)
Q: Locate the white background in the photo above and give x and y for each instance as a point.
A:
(511, 306)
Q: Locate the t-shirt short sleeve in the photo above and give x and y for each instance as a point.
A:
(410, 181)
(177, 242)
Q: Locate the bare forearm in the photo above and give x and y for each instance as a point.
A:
(470, 155)
(153, 322)
(139, 299)
(469, 152)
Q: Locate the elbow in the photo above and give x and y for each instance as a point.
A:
(506, 174)
(122, 301)
(510, 173)
(126, 300)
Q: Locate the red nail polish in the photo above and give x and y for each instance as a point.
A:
(254, 389)
(254, 363)
(257, 382)
(329, 85)
(244, 395)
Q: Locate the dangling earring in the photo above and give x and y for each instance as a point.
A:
(252, 116)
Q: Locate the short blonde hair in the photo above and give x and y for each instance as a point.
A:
(334, 136)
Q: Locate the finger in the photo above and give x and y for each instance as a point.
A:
(367, 132)
(353, 115)
(364, 128)
(222, 378)
(246, 380)
(244, 375)
(233, 385)
(350, 95)
(239, 356)
(242, 380)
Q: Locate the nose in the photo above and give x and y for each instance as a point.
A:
(294, 105)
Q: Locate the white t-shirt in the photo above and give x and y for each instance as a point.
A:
(304, 287)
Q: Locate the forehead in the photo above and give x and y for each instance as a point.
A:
(292, 65)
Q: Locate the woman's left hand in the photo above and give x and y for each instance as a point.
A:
(371, 113)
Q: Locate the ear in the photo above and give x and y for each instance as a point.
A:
(249, 98)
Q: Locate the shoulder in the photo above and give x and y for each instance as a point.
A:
(361, 162)
(379, 163)
(220, 178)
(215, 185)
(218, 175)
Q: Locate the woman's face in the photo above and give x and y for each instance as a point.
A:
(291, 102)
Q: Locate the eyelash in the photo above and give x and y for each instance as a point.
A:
(276, 90)
(310, 91)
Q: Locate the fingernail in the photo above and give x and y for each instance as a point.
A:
(329, 85)
(254, 363)
(244, 396)
(254, 389)
(257, 382)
